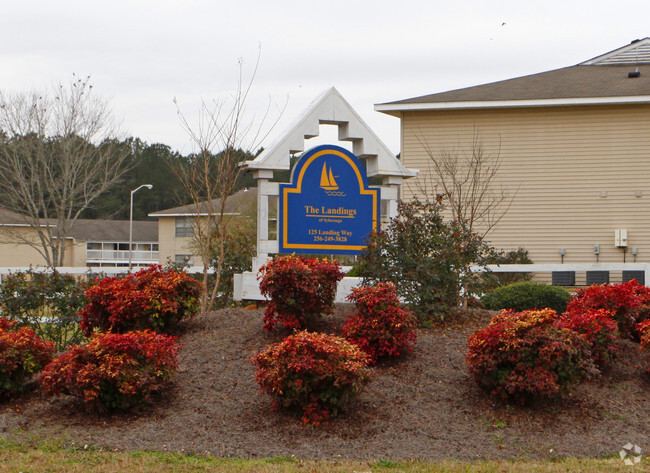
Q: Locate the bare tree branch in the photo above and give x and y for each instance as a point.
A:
(469, 179)
(209, 176)
(58, 152)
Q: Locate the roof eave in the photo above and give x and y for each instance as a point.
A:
(192, 214)
(26, 225)
(395, 108)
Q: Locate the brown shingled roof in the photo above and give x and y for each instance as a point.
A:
(600, 78)
(569, 82)
(114, 230)
(7, 217)
(95, 230)
(242, 201)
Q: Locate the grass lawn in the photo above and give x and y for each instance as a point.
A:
(52, 457)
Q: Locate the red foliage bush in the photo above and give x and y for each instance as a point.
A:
(524, 355)
(380, 326)
(313, 372)
(152, 298)
(643, 329)
(6, 324)
(598, 327)
(22, 354)
(299, 288)
(644, 332)
(628, 301)
(113, 371)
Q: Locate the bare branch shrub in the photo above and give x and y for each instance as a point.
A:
(469, 179)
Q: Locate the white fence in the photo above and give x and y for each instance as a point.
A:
(247, 286)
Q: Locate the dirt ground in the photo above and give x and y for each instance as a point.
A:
(423, 406)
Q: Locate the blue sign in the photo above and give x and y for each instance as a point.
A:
(328, 207)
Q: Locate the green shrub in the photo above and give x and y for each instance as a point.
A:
(240, 245)
(527, 295)
(48, 303)
(313, 372)
(518, 256)
(428, 258)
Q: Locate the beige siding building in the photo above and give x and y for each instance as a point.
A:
(574, 146)
(90, 243)
(177, 227)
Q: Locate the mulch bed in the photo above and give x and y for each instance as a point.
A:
(423, 406)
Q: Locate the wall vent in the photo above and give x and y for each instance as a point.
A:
(638, 275)
(563, 278)
(597, 277)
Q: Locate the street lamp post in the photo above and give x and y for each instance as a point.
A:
(148, 186)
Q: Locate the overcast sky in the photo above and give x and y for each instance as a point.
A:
(142, 54)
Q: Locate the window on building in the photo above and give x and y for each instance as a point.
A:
(184, 259)
(383, 210)
(184, 227)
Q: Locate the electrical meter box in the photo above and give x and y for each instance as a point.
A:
(620, 238)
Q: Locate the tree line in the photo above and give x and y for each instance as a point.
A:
(156, 164)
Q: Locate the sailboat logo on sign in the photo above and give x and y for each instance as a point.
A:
(328, 183)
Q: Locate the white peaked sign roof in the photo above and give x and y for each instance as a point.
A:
(330, 108)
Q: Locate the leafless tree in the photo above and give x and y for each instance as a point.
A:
(468, 177)
(58, 151)
(209, 176)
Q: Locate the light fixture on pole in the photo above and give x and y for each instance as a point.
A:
(148, 186)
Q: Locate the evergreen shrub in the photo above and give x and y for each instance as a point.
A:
(629, 302)
(527, 295)
(22, 354)
(429, 258)
(598, 328)
(48, 303)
